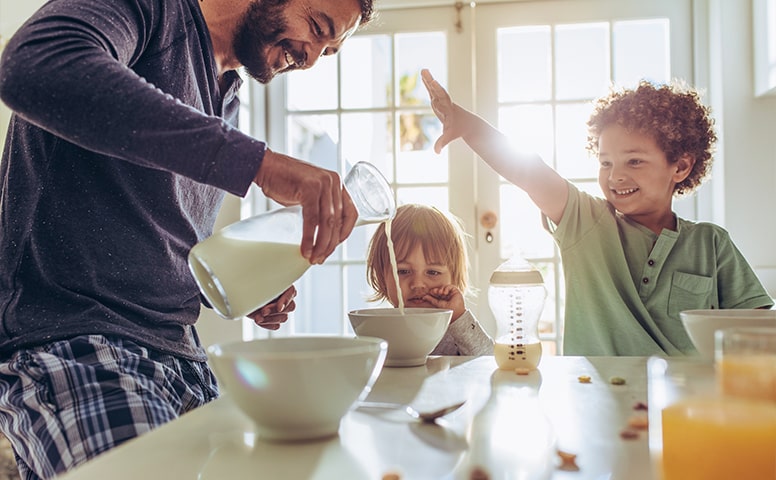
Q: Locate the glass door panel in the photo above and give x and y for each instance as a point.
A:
(366, 103)
(547, 61)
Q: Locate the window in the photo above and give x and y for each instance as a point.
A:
(531, 68)
(366, 103)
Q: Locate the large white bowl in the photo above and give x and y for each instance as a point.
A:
(298, 388)
(701, 324)
(411, 336)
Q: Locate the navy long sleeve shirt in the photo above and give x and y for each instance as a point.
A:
(117, 157)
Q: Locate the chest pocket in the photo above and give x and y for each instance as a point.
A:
(689, 292)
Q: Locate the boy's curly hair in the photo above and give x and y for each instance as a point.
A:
(672, 114)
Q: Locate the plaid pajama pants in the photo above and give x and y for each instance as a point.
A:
(66, 402)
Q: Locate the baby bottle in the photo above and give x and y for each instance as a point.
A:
(247, 264)
(516, 297)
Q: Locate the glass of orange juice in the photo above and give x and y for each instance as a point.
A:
(695, 432)
(746, 362)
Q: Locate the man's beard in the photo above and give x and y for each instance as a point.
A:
(261, 26)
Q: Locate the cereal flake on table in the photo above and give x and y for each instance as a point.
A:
(629, 434)
(568, 461)
(391, 476)
(638, 422)
(479, 473)
(617, 381)
(584, 379)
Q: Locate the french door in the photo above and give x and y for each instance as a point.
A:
(529, 67)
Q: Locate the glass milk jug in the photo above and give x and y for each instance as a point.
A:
(516, 297)
(245, 265)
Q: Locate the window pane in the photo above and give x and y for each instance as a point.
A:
(314, 138)
(366, 72)
(529, 128)
(521, 226)
(641, 51)
(415, 51)
(548, 321)
(358, 241)
(573, 160)
(358, 289)
(318, 301)
(368, 137)
(524, 63)
(434, 196)
(582, 60)
(315, 88)
(417, 162)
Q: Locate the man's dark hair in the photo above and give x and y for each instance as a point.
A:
(367, 11)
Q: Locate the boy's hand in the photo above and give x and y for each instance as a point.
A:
(447, 297)
(444, 109)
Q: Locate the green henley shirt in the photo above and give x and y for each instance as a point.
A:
(625, 285)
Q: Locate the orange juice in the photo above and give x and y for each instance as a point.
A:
(719, 438)
(751, 375)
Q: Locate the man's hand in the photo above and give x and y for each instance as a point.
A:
(327, 210)
(274, 314)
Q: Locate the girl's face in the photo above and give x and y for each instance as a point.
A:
(416, 278)
(635, 176)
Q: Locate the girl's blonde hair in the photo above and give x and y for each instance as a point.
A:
(440, 235)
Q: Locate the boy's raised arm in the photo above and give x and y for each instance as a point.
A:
(547, 189)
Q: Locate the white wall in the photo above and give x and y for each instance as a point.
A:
(747, 126)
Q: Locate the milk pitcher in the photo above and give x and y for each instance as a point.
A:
(245, 265)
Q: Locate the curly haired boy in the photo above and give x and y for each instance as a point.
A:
(630, 264)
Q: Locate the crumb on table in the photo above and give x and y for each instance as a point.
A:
(568, 461)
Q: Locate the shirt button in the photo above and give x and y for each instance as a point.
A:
(645, 280)
(650, 262)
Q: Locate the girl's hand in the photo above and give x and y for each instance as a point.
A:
(447, 297)
(274, 314)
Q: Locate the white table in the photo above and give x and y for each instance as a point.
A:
(217, 440)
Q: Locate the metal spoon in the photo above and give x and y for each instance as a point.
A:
(425, 417)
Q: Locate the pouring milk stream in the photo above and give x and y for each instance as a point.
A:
(245, 265)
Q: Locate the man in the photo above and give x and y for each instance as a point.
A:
(119, 151)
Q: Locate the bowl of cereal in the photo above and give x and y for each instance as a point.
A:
(701, 324)
(298, 388)
(412, 333)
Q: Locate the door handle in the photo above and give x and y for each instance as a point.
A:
(489, 220)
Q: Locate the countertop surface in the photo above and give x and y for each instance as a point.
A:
(587, 420)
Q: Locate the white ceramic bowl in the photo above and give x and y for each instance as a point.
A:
(701, 324)
(411, 336)
(298, 388)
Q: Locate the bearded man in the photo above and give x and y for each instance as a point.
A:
(121, 146)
